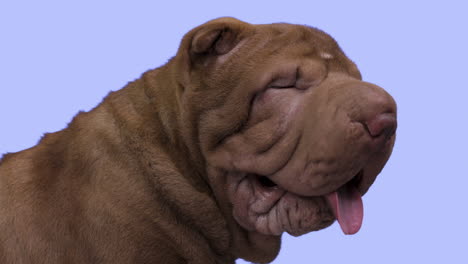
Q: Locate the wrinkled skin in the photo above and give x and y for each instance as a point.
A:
(248, 132)
(295, 110)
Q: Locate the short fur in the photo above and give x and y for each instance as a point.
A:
(138, 179)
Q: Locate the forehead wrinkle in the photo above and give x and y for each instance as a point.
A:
(300, 40)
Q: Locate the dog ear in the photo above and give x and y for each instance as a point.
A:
(217, 37)
(202, 45)
(215, 41)
(205, 43)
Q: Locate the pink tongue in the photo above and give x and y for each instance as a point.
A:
(347, 207)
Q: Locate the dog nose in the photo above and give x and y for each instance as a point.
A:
(376, 110)
(382, 124)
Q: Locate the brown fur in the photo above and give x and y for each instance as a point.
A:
(135, 180)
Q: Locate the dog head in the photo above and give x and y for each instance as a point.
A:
(290, 134)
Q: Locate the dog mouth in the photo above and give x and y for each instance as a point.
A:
(345, 203)
(347, 206)
(266, 182)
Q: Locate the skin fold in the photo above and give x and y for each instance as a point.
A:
(250, 131)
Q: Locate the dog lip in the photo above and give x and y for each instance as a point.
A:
(267, 183)
(356, 181)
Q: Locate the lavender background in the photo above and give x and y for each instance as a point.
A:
(59, 57)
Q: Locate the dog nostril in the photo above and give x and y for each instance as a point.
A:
(383, 124)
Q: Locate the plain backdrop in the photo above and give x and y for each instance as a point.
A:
(60, 57)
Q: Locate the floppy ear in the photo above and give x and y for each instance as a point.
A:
(218, 36)
(214, 38)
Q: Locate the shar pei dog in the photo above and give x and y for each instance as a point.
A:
(248, 132)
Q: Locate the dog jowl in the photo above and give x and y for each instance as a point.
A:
(250, 131)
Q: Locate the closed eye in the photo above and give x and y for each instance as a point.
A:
(284, 82)
(281, 86)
